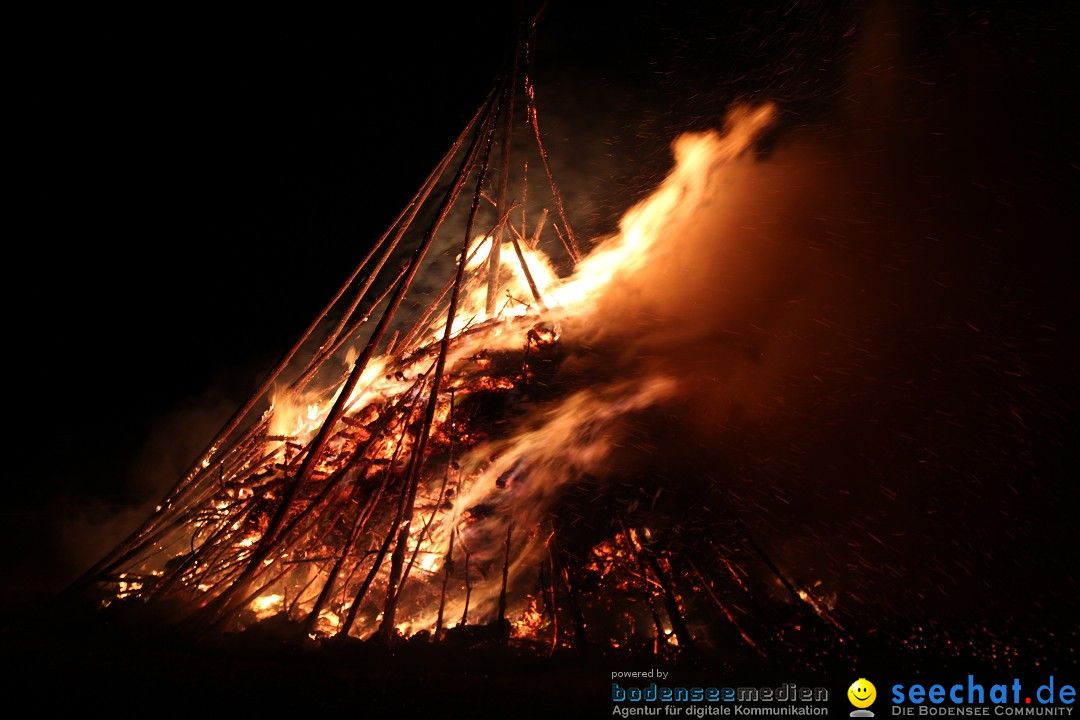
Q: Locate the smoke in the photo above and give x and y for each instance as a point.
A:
(737, 273)
(823, 329)
(84, 529)
(676, 309)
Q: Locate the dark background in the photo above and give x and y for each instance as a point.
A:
(191, 189)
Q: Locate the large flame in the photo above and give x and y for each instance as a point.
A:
(493, 480)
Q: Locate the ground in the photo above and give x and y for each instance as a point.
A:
(122, 662)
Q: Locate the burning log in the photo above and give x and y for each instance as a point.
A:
(377, 563)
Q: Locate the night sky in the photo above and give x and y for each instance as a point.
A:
(191, 189)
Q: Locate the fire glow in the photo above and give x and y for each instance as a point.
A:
(412, 487)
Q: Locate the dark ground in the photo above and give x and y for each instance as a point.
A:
(115, 660)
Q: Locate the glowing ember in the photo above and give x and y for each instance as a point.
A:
(267, 605)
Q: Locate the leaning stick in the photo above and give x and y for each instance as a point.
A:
(504, 176)
(524, 197)
(342, 338)
(338, 409)
(505, 573)
(419, 326)
(448, 567)
(361, 520)
(534, 120)
(448, 562)
(649, 597)
(552, 606)
(468, 588)
(383, 548)
(723, 608)
(580, 639)
(528, 274)
(242, 412)
(332, 481)
(435, 508)
(429, 416)
(671, 602)
(539, 228)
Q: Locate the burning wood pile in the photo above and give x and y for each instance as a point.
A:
(446, 473)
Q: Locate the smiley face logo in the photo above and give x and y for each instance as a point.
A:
(862, 693)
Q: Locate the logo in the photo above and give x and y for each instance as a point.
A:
(974, 698)
(862, 695)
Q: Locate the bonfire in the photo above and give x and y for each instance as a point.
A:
(429, 466)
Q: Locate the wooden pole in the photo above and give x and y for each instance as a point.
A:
(551, 602)
(332, 348)
(671, 602)
(362, 517)
(723, 607)
(330, 423)
(524, 198)
(397, 559)
(448, 568)
(571, 243)
(234, 421)
(580, 638)
(539, 228)
(387, 540)
(500, 198)
(505, 573)
(468, 588)
(650, 599)
(528, 275)
(419, 326)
